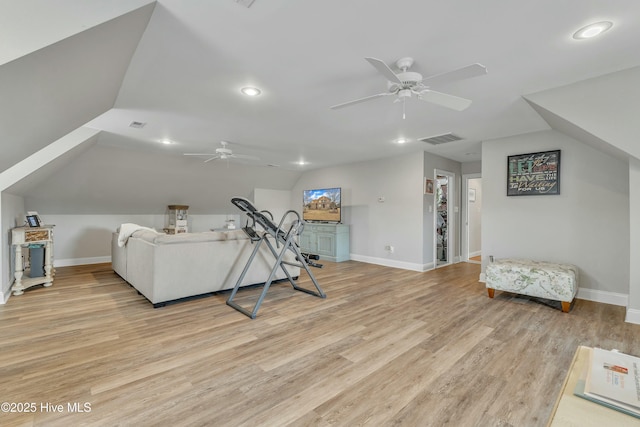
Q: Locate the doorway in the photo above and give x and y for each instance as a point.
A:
(472, 242)
(443, 218)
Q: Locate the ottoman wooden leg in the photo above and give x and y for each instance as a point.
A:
(492, 292)
(565, 306)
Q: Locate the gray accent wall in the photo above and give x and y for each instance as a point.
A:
(375, 224)
(586, 225)
(385, 205)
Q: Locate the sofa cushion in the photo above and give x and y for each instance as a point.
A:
(206, 236)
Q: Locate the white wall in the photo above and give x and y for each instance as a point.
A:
(275, 201)
(109, 180)
(605, 107)
(397, 221)
(586, 225)
(469, 168)
(11, 211)
(86, 239)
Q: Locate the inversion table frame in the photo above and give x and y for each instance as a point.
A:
(288, 242)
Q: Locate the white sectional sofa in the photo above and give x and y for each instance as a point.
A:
(166, 267)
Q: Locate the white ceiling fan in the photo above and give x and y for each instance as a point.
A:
(407, 83)
(223, 153)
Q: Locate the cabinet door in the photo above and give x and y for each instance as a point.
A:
(326, 244)
(308, 243)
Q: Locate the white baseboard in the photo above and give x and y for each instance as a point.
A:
(633, 316)
(605, 297)
(5, 296)
(476, 253)
(81, 261)
(392, 263)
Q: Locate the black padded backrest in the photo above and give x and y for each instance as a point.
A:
(247, 207)
(243, 204)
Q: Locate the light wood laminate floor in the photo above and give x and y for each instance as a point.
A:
(387, 347)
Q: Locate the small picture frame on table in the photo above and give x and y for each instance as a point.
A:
(33, 221)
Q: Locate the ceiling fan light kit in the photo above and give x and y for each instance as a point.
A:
(407, 83)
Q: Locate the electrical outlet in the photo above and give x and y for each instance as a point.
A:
(389, 248)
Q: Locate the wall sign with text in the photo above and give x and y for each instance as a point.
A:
(533, 174)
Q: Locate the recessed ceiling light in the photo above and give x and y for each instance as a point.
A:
(166, 141)
(401, 140)
(301, 163)
(250, 91)
(592, 30)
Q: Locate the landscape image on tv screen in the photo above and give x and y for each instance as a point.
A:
(321, 205)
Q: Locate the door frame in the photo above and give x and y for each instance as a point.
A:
(465, 206)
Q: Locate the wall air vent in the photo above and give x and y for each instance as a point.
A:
(440, 139)
(137, 125)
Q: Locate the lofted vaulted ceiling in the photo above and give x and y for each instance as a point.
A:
(184, 80)
(178, 66)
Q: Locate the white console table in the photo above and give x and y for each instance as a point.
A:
(23, 237)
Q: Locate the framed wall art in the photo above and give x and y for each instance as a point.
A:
(534, 174)
(428, 186)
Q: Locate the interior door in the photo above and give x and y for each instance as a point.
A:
(443, 221)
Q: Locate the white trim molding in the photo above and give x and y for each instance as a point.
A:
(5, 295)
(605, 297)
(633, 316)
(81, 261)
(392, 263)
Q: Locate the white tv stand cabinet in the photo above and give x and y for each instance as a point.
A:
(330, 241)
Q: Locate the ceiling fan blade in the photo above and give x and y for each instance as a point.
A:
(244, 156)
(217, 156)
(199, 154)
(384, 70)
(357, 101)
(473, 70)
(445, 100)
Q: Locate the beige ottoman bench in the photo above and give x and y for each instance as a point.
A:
(558, 282)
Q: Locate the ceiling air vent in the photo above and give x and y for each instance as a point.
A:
(246, 3)
(441, 139)
(137, 125)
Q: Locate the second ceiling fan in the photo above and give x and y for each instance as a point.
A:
(407, 83)
(223, 153)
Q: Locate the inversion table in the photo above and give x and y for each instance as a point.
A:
(285, 241)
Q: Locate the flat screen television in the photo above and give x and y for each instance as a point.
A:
(322, 205)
